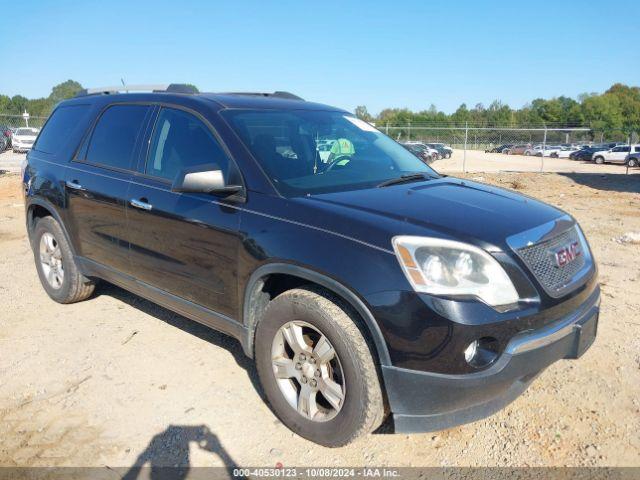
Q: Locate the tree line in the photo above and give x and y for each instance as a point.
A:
(614, 113)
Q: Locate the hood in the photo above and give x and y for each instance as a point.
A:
(444, 207)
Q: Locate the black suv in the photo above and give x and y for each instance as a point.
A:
(363, 284)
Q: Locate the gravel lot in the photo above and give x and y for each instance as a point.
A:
(117, 381)
(478, 161)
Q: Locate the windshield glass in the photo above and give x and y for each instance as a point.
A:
(307, 151)
(26, 131)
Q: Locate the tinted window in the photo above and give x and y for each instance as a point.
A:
(63, 123)
(180, 141)
(115, 135)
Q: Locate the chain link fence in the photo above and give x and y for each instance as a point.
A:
(17, 121)
(491, 148)
(487, 138)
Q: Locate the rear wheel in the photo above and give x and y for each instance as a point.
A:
(632, 162)
(317, 369)
(56, 267)
(599, 160)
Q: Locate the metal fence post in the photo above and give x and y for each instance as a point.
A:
(464, 156)
(544, 147)
(409, 133)
(387, 130)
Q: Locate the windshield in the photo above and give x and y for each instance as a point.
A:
(307, 151)
(26, 131)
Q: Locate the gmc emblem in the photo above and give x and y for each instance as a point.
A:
(567, 254)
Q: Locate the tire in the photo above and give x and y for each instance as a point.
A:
(632, 162)
(448, 155)
(70, 286)
(599, 160)
(362, 407)
(527, 153)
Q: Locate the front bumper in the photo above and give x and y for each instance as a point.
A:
(423, 401)
(21, 147)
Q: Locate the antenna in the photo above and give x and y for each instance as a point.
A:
(123, 84)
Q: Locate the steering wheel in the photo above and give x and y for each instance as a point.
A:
(336, 161)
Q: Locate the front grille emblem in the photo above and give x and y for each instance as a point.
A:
(567, 254)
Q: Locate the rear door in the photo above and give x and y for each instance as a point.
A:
(97, 183)
(184, 243)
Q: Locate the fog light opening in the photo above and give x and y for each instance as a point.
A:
(481, 352)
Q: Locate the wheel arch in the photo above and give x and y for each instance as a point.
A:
(255, 301)
(38, 208)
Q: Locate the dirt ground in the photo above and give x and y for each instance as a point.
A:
(478, 161)
(116, 381)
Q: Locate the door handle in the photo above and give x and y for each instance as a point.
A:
(141, 204)
(74, 185)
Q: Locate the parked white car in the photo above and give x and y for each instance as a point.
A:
(564, 152)
(616, 154)
(540, 150)
(23, 138)
(431, 151)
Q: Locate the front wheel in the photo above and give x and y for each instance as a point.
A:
(632, 162)
(317, 369)
(599, 160)
(56, 267)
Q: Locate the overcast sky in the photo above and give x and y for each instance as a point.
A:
(374, 53)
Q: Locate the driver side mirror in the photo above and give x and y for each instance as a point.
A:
(203, 179)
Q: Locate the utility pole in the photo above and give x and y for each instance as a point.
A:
(544, 147)
(464, 157)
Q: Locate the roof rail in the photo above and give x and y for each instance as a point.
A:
(170, 88)
(287, 95)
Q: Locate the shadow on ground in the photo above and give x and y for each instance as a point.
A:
(168, 454)
(194, 328)
(616, 182)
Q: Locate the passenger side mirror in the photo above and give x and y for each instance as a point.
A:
(203, 179)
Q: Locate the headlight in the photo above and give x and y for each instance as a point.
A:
(446, 267)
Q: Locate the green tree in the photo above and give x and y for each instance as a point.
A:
(64, 90)
(363, 114)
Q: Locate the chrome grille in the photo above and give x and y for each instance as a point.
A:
(541, 260)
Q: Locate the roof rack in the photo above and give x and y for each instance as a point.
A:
(287, 95)
(170, 88)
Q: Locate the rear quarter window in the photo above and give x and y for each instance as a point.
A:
(64, 122)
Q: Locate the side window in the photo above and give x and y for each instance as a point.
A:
(180, 140)
(114, 136)
(63, 123)
(636, 149)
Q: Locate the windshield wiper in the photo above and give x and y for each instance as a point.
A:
(410, 177)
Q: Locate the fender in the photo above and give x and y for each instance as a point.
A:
(32, 201)
(327, 282)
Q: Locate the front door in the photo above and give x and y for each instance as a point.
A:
(183, 243)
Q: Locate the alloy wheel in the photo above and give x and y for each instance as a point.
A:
(308, 371)
(51, 260)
